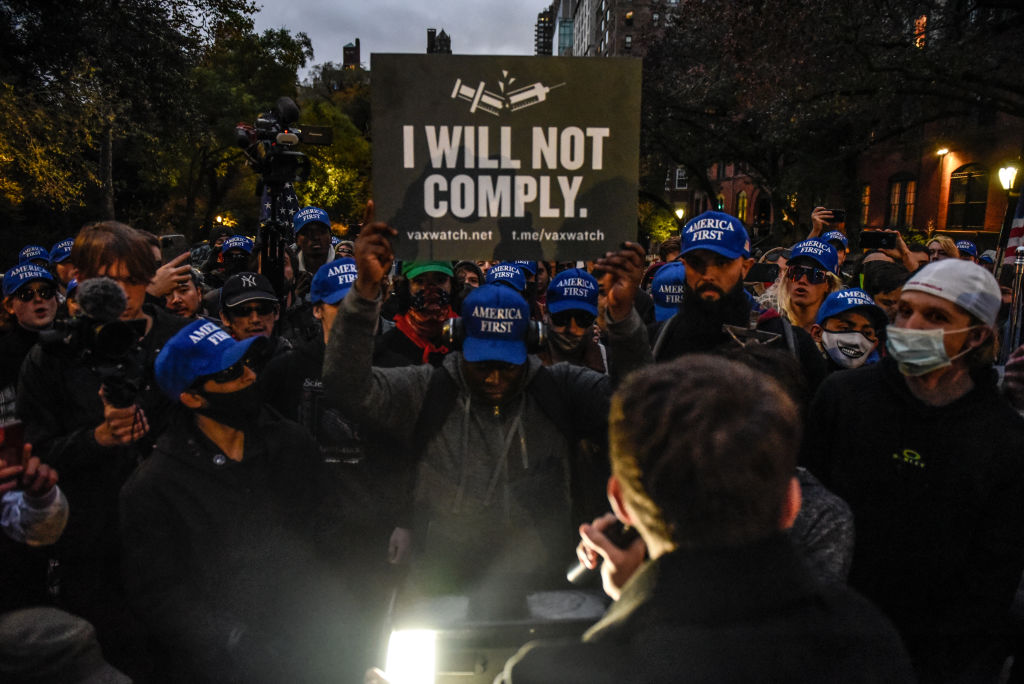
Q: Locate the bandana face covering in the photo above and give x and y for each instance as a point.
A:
(848, 349)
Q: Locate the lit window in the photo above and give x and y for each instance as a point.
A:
(654, 18)
(681, 178)
(720, 203)
(629, 18)
(902, 191)
(968, 198)
(742, 204)
(628, 42)
(920, 30)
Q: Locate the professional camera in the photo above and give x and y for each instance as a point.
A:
(270, 143)
(97, 339)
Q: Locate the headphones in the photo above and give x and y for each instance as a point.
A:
(454, 332)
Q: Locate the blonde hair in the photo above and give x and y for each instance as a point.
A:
(946, 244)
(782, 292)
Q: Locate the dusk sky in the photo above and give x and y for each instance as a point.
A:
(477, 27)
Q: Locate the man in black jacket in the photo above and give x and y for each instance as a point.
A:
(221, 531)
(716, 251)
(96, 439)
(927, 454)
(702, 454)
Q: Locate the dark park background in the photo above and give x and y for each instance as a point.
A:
(127, 109)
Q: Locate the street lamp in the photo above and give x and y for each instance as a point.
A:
(1007, 178)
(680, 213)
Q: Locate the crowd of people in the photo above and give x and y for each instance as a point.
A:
(227, 481)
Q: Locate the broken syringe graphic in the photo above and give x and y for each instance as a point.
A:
(493, 103)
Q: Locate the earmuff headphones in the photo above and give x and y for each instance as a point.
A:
(454, 332)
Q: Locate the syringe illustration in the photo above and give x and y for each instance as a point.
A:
(480, 98)
(485, 100)
(529, 96)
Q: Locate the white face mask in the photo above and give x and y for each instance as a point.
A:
(848, 349)
(918, 352)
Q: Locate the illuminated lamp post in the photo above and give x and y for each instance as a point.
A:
(1007, 178)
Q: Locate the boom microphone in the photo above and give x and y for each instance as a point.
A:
(101, 299)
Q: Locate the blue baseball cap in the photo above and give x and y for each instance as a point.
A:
(332, 281)
(573, 289)
(495, 320)
(33, 252)
(23, 274)
(72, 288)
(307, 215)
(718, 232)
(836, 236)
(527, 266)
(335, 240)
(237, 242)
(507, 274)
(200, 348)
(61, 251)
(667, 290)
(845, 300)
(820, 252)
(967, 247)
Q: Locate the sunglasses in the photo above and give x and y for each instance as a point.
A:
(815, 276)
(229, 374)
(260, 309)
(28, 294)
(563, 318)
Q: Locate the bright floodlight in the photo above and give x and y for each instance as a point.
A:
(411, 657)
(942, 152)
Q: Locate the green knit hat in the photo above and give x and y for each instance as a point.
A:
(412, 269)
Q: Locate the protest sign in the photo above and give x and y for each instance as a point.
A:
(506, 157)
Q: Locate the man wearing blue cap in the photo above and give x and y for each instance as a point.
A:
(848, 329)
(312, 228)
(30, 296)
(220, 528)
(492, 428)
(968, 250)
(572, 312)
(716, 308)
(60, 257)
(34, 254)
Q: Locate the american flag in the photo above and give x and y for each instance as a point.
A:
(1016, 233)
(287, 205)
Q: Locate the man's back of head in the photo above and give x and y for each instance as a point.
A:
(704, 451)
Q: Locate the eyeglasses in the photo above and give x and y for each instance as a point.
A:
(563, 318)
(260, 309)
(815, 276)
(27, 294)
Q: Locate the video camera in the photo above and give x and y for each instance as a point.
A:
(97, 339)
(270, 143)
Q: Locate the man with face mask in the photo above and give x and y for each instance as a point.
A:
(716, 253)
(927, 454)
(848, 329)
(221, 534)
(416, 337)
(572, 311)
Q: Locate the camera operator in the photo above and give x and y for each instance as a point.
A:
(30, 296)
(703, 463)
(97, 437)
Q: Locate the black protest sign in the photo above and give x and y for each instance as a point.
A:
(505, 157)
